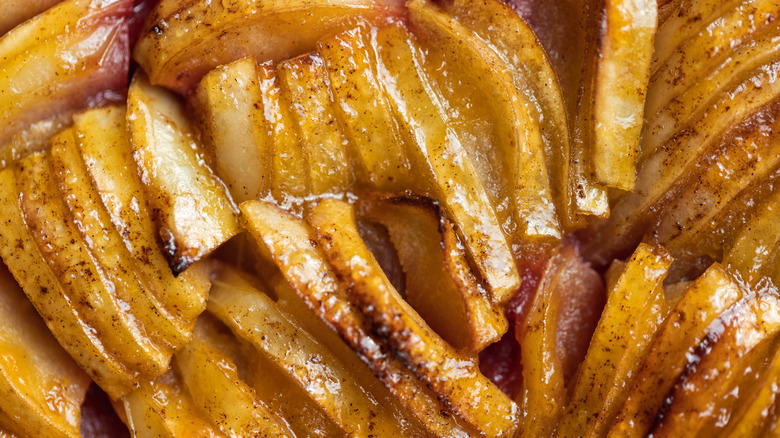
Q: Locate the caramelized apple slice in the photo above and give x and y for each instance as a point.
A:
(230, 108)
(181, 42)
(305, 79)
(20, 252)
(437, 153)
(61, 61)
(189, 204)
(454, 377)
(753, 417)
(41, 388)
(750, 251)
(290, 243)
(18, 11)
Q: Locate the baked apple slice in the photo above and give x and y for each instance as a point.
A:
(19, 11)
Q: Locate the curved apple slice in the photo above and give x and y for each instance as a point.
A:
(18, 11)
(65, 59)
(436, 151)
(478, 85)
(182, 42)
(756, 413)
(41, 388)
(189, 204)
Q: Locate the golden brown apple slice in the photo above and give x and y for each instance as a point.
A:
(750, 251)
(453, 376)
(305, 80)
(364, 111)
(229, 104)
(634, 310)
(290, 243)
(20, 252)
(18, 11)
(188, 203)
(113, 173)
(182, 41)
(753, 417)
(61, 61)
(478, 86)
(437, 153)
(253, 316)
(706, 299)
(41, 387)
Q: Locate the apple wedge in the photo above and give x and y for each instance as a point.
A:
(188, 203)
(305, 81)
(113, 173)
(182, 42)
(453, 376)
(435, 151)
(69, 57)
(35, 370)
(291, 244)
(229, 105)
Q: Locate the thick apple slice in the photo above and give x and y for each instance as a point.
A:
(706, 299)
(189, 204)
(230, 108)
(114, 175)
(34, 371)
(61, 61)
(20, 252)
(453, 376)
(435, 151)
(290, 243)
(750, 251)
(18, 11)
(753, 417)
(181, 42)
(305, 80)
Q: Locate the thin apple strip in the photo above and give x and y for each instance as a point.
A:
(706, 299)
(182, 42)
(60, 60)
(290, 243)
(35, 370)
(750, 251)
(253, 316)
(435, 150)
(107, 245)
(617, 342)
(478, 70)
(619, 91)
(229, 104)
(189, 204)
(20, 252)
(454, 377)
(305, 79)
(113, 173)
(363, 110)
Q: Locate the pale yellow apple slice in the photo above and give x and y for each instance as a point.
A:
(24, 260)
(181, 42)
(478, 84)
(454, 377)
(113, 173)
(706, 299)
(61, 60)
(230, 114)
(18, 11)
(435, 151)
(364, 111)
(35, 370)
(305, 80)
(750, 251)
(291, 244)
(253, 316)
(619, 343)
(188, 203)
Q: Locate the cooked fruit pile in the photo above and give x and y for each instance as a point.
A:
(378, 218)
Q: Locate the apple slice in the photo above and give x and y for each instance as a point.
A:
(182, 42)
(114, 175)
(305, 80)
(20, 252)
(750, 251)
(41, 387)
(435, 151)
(454, 377)
(290, 243)
(755, 414)
(189, 204)
(18, 11)
(65, 59)
(229, 105)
